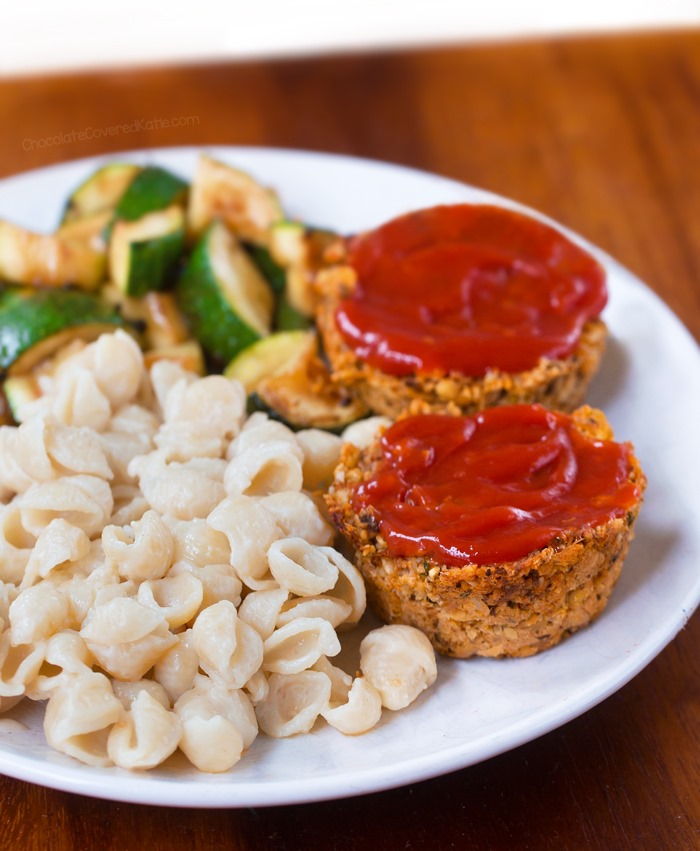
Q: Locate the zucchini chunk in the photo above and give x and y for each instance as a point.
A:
(285, 377)
(284, 351)
(165, 324)
(144, 253)
(224, 296)
(299, 250)
(100, 192)
(188, 355)
(36, 323)
(152, 189)
(220, 191)
(90, 228)
(49, 260)
(20, 391)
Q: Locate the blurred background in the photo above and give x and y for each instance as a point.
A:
(47, 36)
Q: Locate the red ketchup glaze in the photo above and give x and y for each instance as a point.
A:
(467, 288)
(492, 487)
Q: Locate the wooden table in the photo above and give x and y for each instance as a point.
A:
(601, 134)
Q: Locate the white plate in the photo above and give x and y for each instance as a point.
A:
(650, 388)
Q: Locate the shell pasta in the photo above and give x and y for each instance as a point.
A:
(167, 580)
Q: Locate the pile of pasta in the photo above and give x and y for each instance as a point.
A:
(167, 579)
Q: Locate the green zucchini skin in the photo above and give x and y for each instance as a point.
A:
(222, 333)
(28, 316)
(273, 273)
(153, 262)
(256, 402)
(153, 188)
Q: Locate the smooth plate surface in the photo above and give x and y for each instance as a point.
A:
(649, 387)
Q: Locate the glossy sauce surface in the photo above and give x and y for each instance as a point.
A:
(492, 487)
(467, 288)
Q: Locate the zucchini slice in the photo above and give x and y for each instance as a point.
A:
(144, 253)
(49, 260)
(299, 251)
(220, 191)
(165, 324)
(224, 295)
(90, 228)
(285, 351)
(188, 355)
(34, 324)
(101, 191)
(285, 377)
(152, 189)
(20, 391)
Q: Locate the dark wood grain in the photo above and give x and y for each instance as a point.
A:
(602, 134)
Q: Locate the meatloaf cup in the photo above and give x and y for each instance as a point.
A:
(467, 600)
(456, 309)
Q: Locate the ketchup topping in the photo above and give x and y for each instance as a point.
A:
(493, 487)
(467, 288)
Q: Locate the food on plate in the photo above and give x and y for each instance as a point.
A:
(457, 308)
(497, 533)
(167, 580)
(286, 377)
(199, 274)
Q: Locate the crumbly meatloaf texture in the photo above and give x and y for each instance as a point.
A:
(511, 609)
(556, 384)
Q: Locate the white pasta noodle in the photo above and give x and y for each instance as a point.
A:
(19, 665)
(360, 713)
(218, 725)
(293, 703)
(363, 432)
(331, 609)
(228, 648)
(213, 404)
(298, 517)
(66, 654)
(16, 545)
(84, 501)
(265, 468)
(126, 638)
(130, 433)
(114, 361)
(302, 568)
(177, 598)
(399, 662)
(164, 376)
(258, 429)
(143, 550)
(79, 401)
(177, 668)
(219, 582)
(198, 543)
(58, 543)
(321, 454)
(350, 587)
(257, 688)
(298, 645)
(37, 613)
(13, 479)
(166, 582)
(79, 715)
(260, 609)
(250, 529)
(145, 735)
(128, 692)
(178, 489)
(129, 505)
